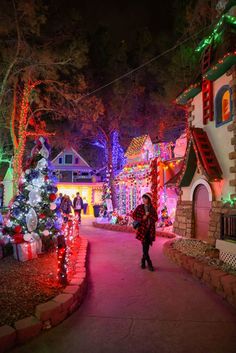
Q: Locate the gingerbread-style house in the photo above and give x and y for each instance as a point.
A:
(207, 204)
(133, 181)
(149, 167)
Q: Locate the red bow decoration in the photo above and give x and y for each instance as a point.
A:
(18, 239)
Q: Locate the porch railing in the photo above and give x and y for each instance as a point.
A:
(228, 227)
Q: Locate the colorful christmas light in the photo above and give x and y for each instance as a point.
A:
(32, 215)
(215, 34)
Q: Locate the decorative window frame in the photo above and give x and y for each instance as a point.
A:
(69, 155)
(218, 106)
(201, 182)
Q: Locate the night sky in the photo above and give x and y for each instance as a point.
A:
(124, 17)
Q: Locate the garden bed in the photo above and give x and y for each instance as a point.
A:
(203, 252)
(201, 260)
(24, 285)
(37, 302)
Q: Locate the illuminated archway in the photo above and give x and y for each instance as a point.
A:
(201, 182)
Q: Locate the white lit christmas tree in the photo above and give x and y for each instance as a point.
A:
(33, 213)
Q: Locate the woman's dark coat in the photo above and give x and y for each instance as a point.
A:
(142, 230)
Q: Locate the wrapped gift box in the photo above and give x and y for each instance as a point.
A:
(25, 251)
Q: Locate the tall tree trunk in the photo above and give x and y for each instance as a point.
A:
(111, 171)
(19, 133)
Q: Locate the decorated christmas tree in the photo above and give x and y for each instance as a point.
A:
(33, 213)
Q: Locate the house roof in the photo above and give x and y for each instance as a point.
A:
(207, 154)
(221, 41)
(136, 145)
(174, 180)
(75, 152)
(199, 153)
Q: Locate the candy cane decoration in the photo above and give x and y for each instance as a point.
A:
(158, 191)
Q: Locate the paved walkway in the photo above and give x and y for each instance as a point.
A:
(129, 310)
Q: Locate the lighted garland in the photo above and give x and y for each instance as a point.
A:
(3, 157)
(219, 63)
(216, 32)
(229, 200)
(183, 96)
(153, 181)
(65, 245)
(136, 145)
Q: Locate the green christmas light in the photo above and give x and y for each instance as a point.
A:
(229, 200)
(3, 158)
(215, 35)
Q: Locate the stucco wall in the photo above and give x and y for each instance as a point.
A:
(216, 187)
(219, 137)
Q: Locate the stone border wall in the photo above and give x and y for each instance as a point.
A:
(51, 313)
(221, 282)
(184, 221)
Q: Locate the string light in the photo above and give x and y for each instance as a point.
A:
(20, 142)
(188, 93)
(228, 59)
(66, 241)
(229, 200)
(3, 157)
(118, 158)
(136, 145)
(215, 35)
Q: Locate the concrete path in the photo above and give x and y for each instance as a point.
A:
(129, 310)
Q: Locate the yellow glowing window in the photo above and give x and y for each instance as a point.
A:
(226, 106)
(223, 106)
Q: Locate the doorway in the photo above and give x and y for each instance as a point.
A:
(202, 207)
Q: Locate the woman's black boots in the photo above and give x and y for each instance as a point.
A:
(143, 264)
(149, 262)
(150, 266)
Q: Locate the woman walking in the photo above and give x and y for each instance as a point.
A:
(66, 206)
(145, 216)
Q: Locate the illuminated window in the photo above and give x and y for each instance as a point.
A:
(68, 159)
(223, 106)
(226, 106)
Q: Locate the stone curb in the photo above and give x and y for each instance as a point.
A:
(221, 282)
(52, 312)
(129, 229)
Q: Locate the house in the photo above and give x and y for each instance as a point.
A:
(133, 181)
(74, 174)
(206, 207)
(69, 166)
(148, 168)
(168, 164)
